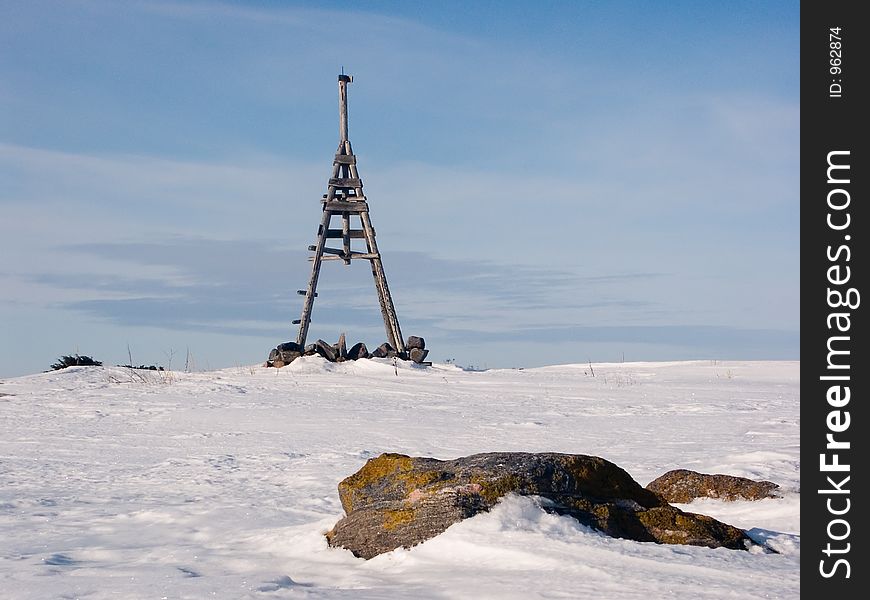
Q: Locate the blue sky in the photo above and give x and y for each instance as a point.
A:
(550, 182)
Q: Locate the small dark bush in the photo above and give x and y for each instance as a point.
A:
(143, 367)
(75, 361)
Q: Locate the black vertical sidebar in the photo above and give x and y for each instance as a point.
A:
(835, 225)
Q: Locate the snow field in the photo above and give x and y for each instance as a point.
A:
(137, 484)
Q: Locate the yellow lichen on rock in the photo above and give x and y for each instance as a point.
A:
(491, 490)
(398, 517)
(392, 474)
(379, 468)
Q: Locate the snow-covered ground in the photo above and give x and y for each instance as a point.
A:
(136, 484)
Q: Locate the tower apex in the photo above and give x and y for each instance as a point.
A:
(343, 80)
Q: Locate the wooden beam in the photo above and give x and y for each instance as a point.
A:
(339, 206)
(345, 182)
(353, 256)
(353, 233)
(345, 236)
(349, 197)
(344, 159)
(344, 197)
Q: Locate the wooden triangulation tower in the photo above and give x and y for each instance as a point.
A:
(345, 199)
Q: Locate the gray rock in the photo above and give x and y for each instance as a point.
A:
(418, 355)
(385, 350)
(284, 354)
(288, 356)
(415, 342)
(398, 501)
(358, 351)
(325, 350)
(288, 352)
(341, 348)
(683, 485)
(289, 347)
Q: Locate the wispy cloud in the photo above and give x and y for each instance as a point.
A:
(258, 280)
(453, 302)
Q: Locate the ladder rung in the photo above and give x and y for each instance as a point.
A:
(337, 206)
(353, 233)
(297, 321)
(303, 292)
(353, 255)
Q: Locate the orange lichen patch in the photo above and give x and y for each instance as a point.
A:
(393, 475)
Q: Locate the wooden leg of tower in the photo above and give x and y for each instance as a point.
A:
(392, 320)
(391, 338)
(388, 310)
(371, 246)
(345, 235)
(311, 292)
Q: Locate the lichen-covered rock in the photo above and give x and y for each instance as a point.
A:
(683, 485)
(398, 501)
